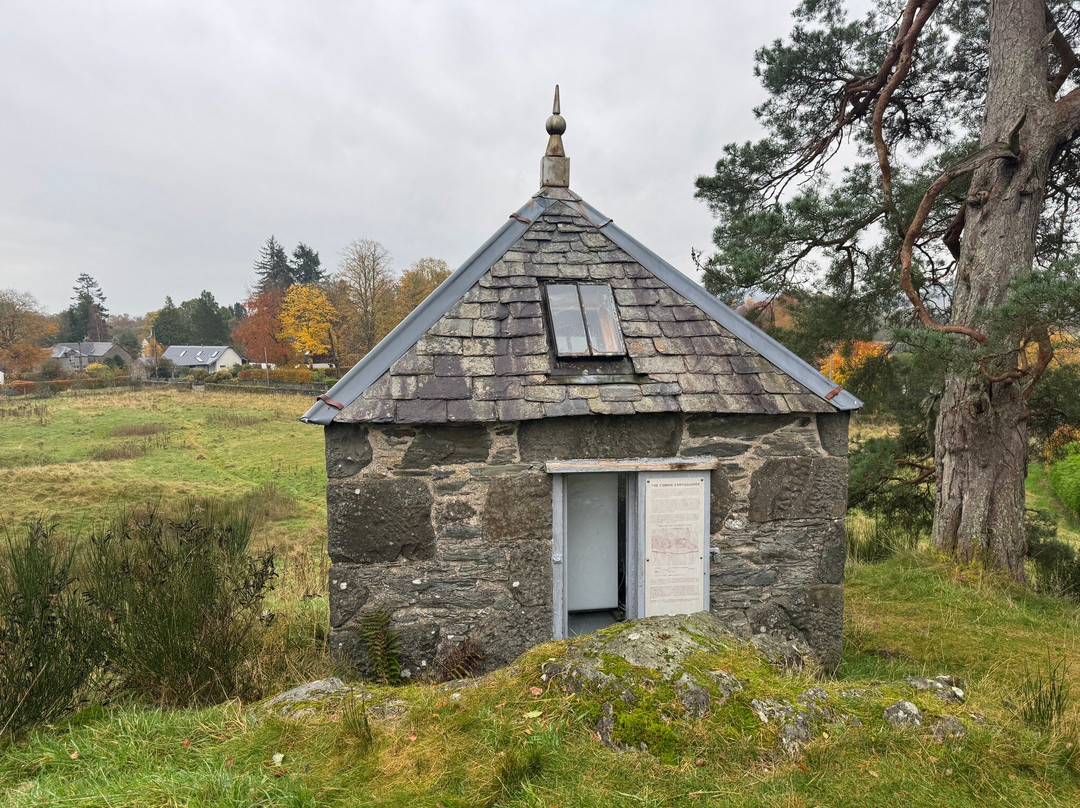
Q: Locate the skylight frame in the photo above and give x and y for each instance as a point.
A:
(593, 317)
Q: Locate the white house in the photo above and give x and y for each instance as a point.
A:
(211, 358)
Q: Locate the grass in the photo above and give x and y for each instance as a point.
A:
(85, 456)
(1040, 496)
(514, 740)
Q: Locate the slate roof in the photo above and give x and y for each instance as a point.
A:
(192, 355)
(62, 349)
(477, 349)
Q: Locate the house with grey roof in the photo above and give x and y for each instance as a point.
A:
(77, 355)
(570, 432)
(211, 358)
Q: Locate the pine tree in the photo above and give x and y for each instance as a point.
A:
(169, 325)
(953, 221)
(84, 319)
(306, 266)
(272, 267)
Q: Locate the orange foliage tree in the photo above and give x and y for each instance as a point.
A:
(308, 320)
(409, 291)
(24, 329)
(259, 331)
(845, 360)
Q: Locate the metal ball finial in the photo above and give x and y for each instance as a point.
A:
(556, 124)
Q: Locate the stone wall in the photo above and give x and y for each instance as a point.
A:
(449, 526)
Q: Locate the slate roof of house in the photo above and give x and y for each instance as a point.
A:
(191, 355)
(478, 349)
(62, 349)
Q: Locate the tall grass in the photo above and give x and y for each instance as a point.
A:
(1045, 693)
(49, 647)
(180, 598)
(875, 538)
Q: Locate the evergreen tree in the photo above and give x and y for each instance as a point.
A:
(169, 325)
(306, 266)
(207, 323)
(84, 319)
(953, 222)
(272, 267)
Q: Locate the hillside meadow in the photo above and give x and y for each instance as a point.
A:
(515, 739)
(78, 458)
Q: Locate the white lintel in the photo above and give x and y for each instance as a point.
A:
(637, 464)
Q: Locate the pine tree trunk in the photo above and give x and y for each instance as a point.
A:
(981, 434)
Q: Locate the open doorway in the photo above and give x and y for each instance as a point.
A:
(596, 533)
(628, 542)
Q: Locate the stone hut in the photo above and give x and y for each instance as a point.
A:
(570, 432)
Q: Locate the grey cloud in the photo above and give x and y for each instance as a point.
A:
(156, 146)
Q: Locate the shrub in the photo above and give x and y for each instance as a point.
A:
(199, 375)
(268, 503)
(220, 376)
(1056, 445)
(51, 369)
(97, 370)
(291, 375)
(181, 599)
(48, 645)
(1065, 476)
(1057, 567)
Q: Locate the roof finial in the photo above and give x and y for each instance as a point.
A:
(555, 167)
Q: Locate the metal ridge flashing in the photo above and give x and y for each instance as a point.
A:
(394, 345)
(785, 360)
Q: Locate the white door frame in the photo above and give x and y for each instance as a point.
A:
(638, 471)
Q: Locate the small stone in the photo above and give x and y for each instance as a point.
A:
(727, 683)
(694, 698)
(903, 714)
(794, 735)
(948, 727)
(606, 725)
(769, 710)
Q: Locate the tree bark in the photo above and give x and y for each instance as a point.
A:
(981, 434)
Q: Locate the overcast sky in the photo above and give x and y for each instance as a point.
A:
(157, 145)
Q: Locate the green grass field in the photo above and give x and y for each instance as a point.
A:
(76, 459)
(513, 740)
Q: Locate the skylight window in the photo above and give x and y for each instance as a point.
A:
(583, 320)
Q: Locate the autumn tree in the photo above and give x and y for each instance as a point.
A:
(84, 319)
(258, 333)
(366, 278)
(307, 321)
(127, 332)
(409, 290)
(25, 329)
(952, 220)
